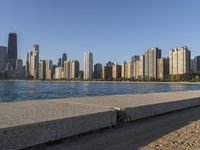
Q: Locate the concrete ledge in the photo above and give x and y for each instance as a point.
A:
(144, 111)
(26, 124)
(138, 106)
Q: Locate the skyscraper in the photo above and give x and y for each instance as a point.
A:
(107, 71)
(179, 60)
(134, 66)
(151, 57)
(64, 58)
(19, 65)
(126, 70)
(162, 67)
(42, 70)
(27, 64)
(58, 73)
(74, 69)
(116, 71)
(195, 64)
(98, 71)
(3, 57)
(88, 65)
(67, 70)
(59, 62)
(142, 66)
(12, 49)
(49, 64)
(34, 62)
(19, 70)
(138, 66)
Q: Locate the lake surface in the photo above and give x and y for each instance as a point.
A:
(21, 90)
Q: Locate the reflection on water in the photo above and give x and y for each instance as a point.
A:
(179, 87)
(17, 91)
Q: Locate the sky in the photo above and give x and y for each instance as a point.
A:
(113, 30)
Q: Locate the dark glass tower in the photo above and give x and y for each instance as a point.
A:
(59, 62)
(64, 58)
(12, 46)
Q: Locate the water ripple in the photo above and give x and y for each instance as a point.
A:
(18, 90)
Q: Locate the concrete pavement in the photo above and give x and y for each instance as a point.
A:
(28, 123)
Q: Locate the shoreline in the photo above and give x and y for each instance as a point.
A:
(127, 82)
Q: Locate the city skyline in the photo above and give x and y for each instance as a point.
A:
(149, 66)
(111, 30)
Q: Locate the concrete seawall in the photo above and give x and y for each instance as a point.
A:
(24, 124)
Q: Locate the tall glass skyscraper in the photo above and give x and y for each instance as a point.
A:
(12, 50)
(12, 46)
(64, 58)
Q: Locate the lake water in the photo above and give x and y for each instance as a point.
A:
(21, 90)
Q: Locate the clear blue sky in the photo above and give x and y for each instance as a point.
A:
(111, 29)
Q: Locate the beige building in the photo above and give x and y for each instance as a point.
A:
(179, 60)
(116, 71)
(151, 57)
(126, 70)
(49, 64)
(134, 67)
(71, 69)
(42, 70)
(162, 67)
(59, 73)
(137, 69)
(67, 70)
(74, 67)
(137, 66)
(142, 66)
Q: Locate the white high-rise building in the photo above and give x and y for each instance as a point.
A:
(34, 62)
(88, 65)
(179, 61)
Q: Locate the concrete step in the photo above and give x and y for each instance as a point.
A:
(24, 124)
(137, 106)
(28, 123)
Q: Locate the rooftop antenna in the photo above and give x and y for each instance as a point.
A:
(13, 29)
